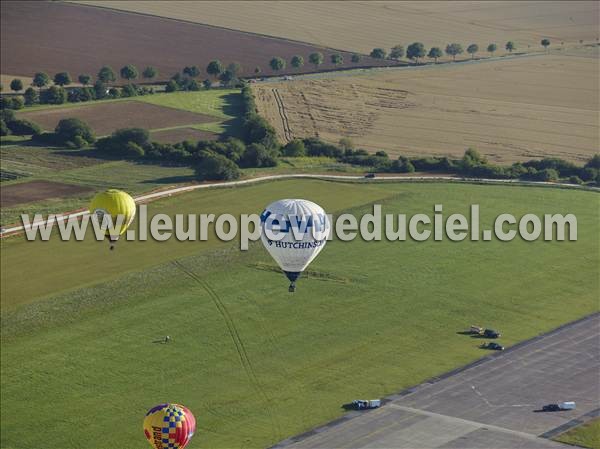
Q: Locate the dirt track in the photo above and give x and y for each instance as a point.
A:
(55, 37)
(104, 118)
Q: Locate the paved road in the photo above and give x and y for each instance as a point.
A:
(389, 178)
(491, 404)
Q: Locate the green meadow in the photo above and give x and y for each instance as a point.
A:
(586, 435)
(81, 324)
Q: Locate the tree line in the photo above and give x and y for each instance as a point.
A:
(42, 92)
(417, 50)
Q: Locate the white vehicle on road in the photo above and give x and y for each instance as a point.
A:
(362, 404)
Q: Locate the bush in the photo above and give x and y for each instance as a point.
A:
(53, 95)
(258, 130)
(213, 166)
(129, 90)
(4, 131)
(172, 86)
(22, 127)
(120, 139)
(68, 129)
(257, 155)
(133, 150)
(575, 180)
(594, 162)
(295, 148)
(31, 96)
(15, 103)
(402, 165)
(316, 147)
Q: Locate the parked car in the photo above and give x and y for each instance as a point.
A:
(569, 405)
(477, 330)
(491, 333)
(362, 404)
(493, 346)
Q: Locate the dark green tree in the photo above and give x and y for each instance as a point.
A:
(214, 68)
(355, 58)
(397, 52)
(53, 95)
(69, 128)
(545, 43)
(214, 166)
(41, 79)
(434, 53)
(129, 72)
(316, 59)
(492, 48)
(192, 71)
(472, 49)
(149, 73)
(294, 148)
(107, 75)
(337, 59)
(415, 51)
(16, 85)
(510, 46)
(277, 64)
(31, 96)
(297, 61)
(62, 79)
(84, 79)
(171, 86)
(453, 50)
(378, 53)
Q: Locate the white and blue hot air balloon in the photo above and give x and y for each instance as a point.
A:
(294, 232)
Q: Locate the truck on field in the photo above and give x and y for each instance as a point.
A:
(363, 404)
(487, 333)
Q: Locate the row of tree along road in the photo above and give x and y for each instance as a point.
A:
(417, 51)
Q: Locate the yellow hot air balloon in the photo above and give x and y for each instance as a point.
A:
(114, 203)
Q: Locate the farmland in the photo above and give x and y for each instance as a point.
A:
(510, 110)
(84, 331)
(361, 26)
(81, 39)
(172, 117)
(104, 118)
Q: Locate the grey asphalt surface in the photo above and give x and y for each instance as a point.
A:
(493, 403)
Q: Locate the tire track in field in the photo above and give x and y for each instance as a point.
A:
(237, 341)
(287, 132)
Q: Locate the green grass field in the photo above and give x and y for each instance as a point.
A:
(586, 435)
(254, 363)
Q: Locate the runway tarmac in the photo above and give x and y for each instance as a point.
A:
(494, 403)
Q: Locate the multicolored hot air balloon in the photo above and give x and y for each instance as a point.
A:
(304, 228)
(169, 426)
(114, 203)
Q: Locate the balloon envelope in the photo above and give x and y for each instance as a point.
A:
(169, 426)
(294, 231)
(114, 203)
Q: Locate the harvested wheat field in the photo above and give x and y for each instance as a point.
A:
(104, 118)
(362, 25)
(510, 110)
